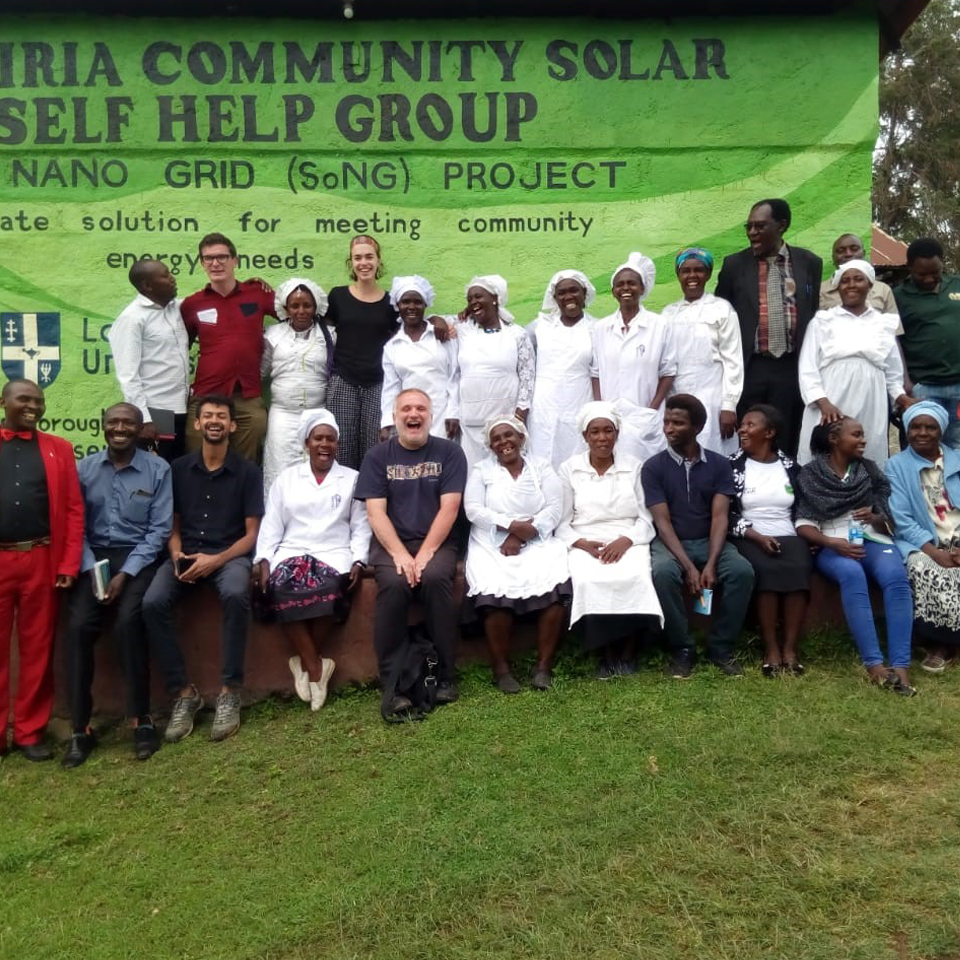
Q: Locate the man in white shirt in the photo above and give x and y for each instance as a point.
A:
(150, 354)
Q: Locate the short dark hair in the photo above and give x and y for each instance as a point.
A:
(821, 434)
(779, 210)
(130, 406)
(924, 248)
(217, 400)
(140, 271)
(771, 416)
(695, 409)
(213, 239)
(17, 381)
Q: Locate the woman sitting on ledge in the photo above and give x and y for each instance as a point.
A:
(311, 531)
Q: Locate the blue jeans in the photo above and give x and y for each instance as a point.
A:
(884, 566)
(948, 396)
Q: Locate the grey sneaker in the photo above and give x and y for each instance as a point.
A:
(181, 717)
(226, 721)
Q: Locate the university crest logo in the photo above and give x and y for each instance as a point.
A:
(30, 346)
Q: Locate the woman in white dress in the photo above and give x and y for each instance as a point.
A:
(562, 336)
(296, 355)
(415, 358)
(636, 359)
(849, 364)
(710, 358)
(608, 529)
(497, 365)
(311, 550)
(515, 565)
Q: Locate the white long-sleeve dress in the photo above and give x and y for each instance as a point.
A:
(709, 361)
(854, 362)
(296, 364)
(629, 366)
(565, 364)
(604, 507)
(493, 498)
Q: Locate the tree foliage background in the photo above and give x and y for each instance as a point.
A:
(917, 162)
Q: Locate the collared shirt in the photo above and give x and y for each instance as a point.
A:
(213, 505)
(230, 331)
(151, 355)
(24, 502)
(931, 330)
(687, 488)
(789, 293)
(129, 507)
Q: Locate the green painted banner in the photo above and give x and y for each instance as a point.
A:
(516, 147)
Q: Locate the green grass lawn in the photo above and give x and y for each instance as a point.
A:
(643, 817)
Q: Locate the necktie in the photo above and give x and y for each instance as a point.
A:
(6, 434)
(776, 317)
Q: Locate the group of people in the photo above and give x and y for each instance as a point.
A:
(611, 467)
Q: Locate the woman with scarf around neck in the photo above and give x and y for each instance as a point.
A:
(296, 360)
(925, 504)
(562, 336)
(842, 508)
(636, 359)
(497, 365)
(710, 363)
(850, 363)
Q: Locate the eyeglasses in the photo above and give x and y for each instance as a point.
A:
(756, 225)
(220, 258)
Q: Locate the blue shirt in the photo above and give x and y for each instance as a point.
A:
(130, 507)
(687, 488)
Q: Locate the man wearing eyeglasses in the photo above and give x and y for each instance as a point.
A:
(226, 317)
(775, 289)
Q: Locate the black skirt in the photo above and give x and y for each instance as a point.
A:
(785, 572)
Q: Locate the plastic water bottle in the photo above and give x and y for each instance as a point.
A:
(855, 533)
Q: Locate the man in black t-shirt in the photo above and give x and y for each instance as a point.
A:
(413, 484)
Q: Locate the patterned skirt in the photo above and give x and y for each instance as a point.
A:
(303, 588)
(936, 596)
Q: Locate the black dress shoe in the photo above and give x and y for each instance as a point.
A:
(447, 692)
(146, 741)
(36, 752)
(81, 746)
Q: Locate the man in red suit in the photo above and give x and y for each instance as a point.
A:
(41, 539)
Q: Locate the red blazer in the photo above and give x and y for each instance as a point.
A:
(66, 505)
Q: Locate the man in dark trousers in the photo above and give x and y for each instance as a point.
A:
(775, 289)
(128, 504)
(41, 538)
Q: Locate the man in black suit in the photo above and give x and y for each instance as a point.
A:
(775, 289)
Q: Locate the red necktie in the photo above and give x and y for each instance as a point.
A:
(6, 434)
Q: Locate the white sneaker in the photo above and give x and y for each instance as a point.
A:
(300, 679)
(318, 688)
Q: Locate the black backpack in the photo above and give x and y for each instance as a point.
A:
(413, 674)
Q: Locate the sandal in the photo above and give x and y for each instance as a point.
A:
(795, 667)
(770, 670)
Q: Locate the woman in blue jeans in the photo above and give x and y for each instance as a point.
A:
(842, 495)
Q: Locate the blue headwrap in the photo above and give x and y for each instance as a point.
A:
(695, 253)
(928, 408)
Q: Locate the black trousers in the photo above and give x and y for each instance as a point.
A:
(775, 381)
(434, 592)
(87, 616)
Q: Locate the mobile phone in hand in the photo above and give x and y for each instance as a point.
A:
(184, 564)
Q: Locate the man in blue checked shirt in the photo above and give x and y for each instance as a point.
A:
(128, 497)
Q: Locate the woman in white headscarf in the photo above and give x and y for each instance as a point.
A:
(608, 529)
(415, 359)
(849, 364)
(636, 357)
(296, 360)
(311, 550)
(562, 336)
(496, 360)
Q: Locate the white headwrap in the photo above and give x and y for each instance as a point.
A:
(597, 410)
(288, 286)
(416, 283)
(643, 267)
(865, 268)
(495, 284)
(511, 421)
(317, 417)
(549, 307)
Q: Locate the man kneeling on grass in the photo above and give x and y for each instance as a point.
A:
(217, 506)
(687, 489)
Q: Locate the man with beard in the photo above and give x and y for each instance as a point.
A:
(128, 506)
(217, 506)
(413, 484)
(41, 537)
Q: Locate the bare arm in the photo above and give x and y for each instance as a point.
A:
(207, 563)
(384, 530)
(439, 530)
